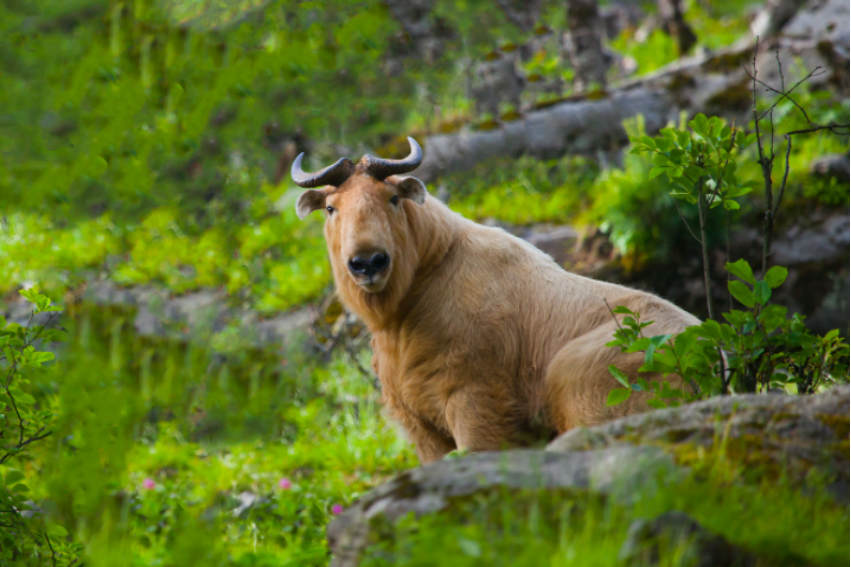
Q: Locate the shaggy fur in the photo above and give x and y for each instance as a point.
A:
(479, 338)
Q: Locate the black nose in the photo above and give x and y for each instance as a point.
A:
(369, 267)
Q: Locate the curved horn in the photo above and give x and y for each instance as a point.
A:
(335, 174)
(383, 168)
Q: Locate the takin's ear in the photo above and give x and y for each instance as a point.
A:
(409, 188)
(311, 200)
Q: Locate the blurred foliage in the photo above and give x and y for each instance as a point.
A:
(164, 453)
(151, 152)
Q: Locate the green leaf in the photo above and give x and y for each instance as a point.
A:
(776, 276)
(741, 292)
(620, 309)
(648, 354)
(762, 292)
(661, 160)
(684, 342)
(664, 144)
(731, 205)
(699, 124)
(639, 345)
(24, 398)
(711, 330)
(742, 270)
(56, 530)
(618, 396)
(619, 375)
(656, 172)
(13, 477)
(656, 403)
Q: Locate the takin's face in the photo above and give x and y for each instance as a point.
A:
(366, 228)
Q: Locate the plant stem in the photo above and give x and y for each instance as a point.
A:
(702, 210)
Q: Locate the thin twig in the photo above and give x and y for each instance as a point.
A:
(677, 204)
(52, 552)
(785, 176)
(783, 95)
(27, 442)
(771, 122)
(832, 127)
(612, 313)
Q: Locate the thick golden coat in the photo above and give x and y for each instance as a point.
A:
(479, 338)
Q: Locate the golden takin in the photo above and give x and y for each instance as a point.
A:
(479, 339)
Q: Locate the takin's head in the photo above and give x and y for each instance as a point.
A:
(366, 219)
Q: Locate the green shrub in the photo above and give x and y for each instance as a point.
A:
(757, 349)
(25, 536)
(763, 350)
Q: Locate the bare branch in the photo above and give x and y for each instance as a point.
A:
(783, 94)
(612, 313)
(693, 235)
(23, 444)
(785, 175)
(52, 551)
(833, 127)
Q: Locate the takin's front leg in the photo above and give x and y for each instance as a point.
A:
(482, 418)
(429, 443)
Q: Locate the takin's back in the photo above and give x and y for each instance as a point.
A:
(496, 337)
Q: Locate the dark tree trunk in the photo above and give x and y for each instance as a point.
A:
(521, 13)
(584, 44)
(674, 23)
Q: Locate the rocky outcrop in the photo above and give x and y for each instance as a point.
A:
(196, 315)
(434, 487)
(768, 434)
(712, 83)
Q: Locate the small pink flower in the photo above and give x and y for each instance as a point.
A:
(149, 483)
(285, 484)
(336, 509)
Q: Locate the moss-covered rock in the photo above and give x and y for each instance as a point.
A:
(766, 435)
(744, 441)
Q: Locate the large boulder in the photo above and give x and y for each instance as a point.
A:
(772, 435)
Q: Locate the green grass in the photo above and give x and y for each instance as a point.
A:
(156, 440)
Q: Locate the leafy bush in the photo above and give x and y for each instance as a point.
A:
(756, 349)
(763, 350)
(24, 422)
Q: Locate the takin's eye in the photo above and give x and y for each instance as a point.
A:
(330, 209)
(394, 200)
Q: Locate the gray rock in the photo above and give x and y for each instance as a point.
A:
(624, 458)
(430, 489)
(822, 242)
(195, 316)
(770, 433)
(821, 20)
(834, 165)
